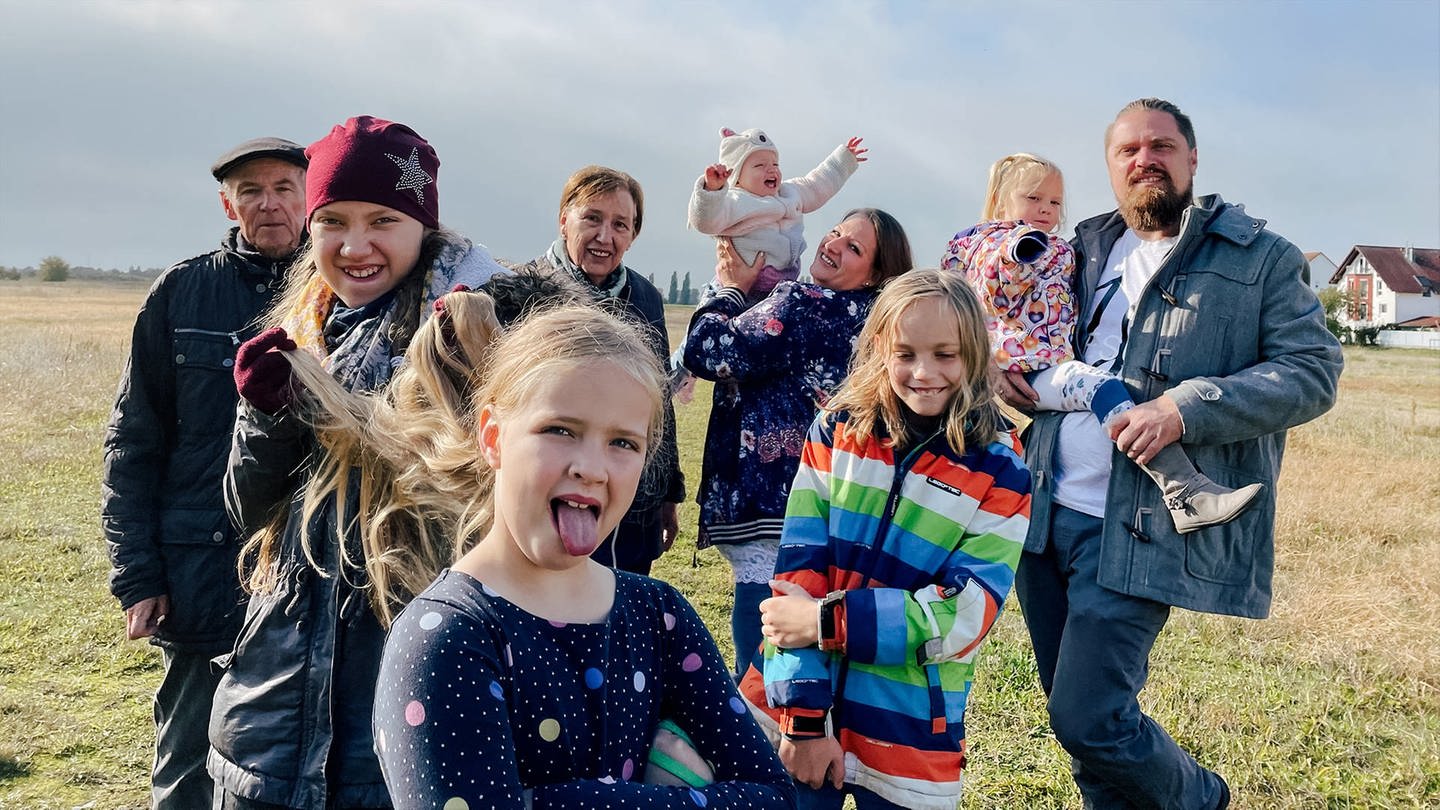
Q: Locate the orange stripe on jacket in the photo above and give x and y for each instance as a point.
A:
(902, 760)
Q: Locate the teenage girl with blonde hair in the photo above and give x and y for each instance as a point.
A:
(1022, 272)
(289, 726)
(903, 529)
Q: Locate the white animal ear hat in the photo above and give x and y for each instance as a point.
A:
(735, 148)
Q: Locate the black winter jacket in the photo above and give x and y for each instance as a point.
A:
(291, 720)
(168, 440)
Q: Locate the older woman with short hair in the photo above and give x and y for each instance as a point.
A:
(601, 211)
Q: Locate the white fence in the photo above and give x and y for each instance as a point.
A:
(1408, 339)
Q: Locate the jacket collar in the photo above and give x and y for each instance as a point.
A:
(254, 262)
(1219, 218)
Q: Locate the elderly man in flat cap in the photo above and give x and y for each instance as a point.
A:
(172, 548)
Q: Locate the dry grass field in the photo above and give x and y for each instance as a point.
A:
(1332, 703)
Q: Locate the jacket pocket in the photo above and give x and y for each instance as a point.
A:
(195, 527)
(198, 549)
(204, 348)
(1226, 554)
(204, 363)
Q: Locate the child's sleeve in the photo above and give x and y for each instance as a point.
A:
(700, 696)
(726, 341)
(441, 681)
(947, 620)
(713, 212)
(957, 253)
(825, 180)
(797, 681)
(989, 249)
(267, 454)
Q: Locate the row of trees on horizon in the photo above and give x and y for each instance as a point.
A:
(54, 268)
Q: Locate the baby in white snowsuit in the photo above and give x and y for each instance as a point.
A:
(742, 197)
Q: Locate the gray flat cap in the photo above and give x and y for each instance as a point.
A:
(277, 148)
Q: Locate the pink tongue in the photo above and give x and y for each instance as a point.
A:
(578, 529)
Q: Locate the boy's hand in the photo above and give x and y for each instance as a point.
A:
(791, 620)
(715, 177)
(814, 762)
(856, 149)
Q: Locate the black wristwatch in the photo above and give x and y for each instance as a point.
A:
(827, 617)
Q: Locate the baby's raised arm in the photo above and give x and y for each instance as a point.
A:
(854, 147)
(715, 176)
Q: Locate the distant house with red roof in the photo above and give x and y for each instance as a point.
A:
(1390, 285)
(1321, 269)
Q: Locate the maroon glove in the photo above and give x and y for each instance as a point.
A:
(262, 376)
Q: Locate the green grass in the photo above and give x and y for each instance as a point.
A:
(1330, 704)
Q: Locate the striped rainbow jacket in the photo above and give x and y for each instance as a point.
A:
(925, 548)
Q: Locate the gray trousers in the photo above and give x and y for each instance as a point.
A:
(1092, 647)
(182, 732)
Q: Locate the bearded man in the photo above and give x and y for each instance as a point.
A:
(1204, 315)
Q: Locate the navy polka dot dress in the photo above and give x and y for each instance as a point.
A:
(482, 705)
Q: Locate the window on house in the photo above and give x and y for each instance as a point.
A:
(1384, 308)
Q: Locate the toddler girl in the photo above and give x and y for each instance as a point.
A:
(904, 526)
(1022, 273)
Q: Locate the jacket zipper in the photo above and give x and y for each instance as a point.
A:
(932, 676)
(234, 336)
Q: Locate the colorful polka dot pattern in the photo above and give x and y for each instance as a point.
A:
(481, 703)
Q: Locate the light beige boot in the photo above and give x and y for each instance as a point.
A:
(1193, 499)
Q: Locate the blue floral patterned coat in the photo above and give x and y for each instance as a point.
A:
(773, 366)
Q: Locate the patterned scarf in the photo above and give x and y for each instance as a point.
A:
(362, 360)
(611, 287)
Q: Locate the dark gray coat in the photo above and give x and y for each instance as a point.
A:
(1228, 329)
(167, 441)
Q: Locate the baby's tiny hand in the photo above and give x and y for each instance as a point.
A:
(857, 150)
(715, 177)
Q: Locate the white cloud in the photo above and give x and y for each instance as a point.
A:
(115, 109)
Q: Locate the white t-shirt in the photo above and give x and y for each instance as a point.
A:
(1082, 454)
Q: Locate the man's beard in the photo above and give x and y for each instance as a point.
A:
(1155, 208)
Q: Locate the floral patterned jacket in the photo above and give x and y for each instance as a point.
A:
(773, 365)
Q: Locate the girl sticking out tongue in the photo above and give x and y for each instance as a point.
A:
(529, 674)
(576, 523)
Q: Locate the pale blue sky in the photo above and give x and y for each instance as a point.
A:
(1322, 117)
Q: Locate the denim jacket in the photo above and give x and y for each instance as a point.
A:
(1228, 329)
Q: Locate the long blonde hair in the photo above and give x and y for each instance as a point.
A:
(407, 455)
(971, 419)
(1021, 171)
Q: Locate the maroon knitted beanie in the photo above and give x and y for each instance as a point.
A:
(377, 161)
